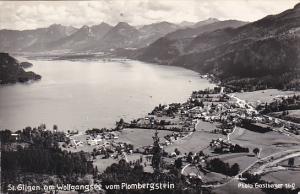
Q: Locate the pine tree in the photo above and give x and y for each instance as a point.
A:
(156, 151)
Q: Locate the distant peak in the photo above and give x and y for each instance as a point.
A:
(122, 24)
(186, 23)
(212, 19)
(103, 23)
(55, 25)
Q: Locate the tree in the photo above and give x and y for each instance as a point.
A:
(196, 159)
(156, 151)
(178, 163)
(291, 161)
(177, 151)
(234, 170)
(55, 127)
(190, 157)
(5, 136)
(255, 151)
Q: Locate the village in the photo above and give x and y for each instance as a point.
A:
(210, 125)
(214, 138)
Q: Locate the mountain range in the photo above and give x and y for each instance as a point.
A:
(102, 37)
(243, 55)
(32, 40)
(256, 55)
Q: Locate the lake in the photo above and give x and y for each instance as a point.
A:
(93, 93)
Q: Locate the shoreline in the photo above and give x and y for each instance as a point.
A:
(156, 98)
(201, 135)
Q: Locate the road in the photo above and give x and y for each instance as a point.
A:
(253, 164)
(240, 101)
(182, 170)
(268, 160)
(229, 134)
(272, 163)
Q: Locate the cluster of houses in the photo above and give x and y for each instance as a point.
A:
(221, 144)
(234, 111)
(173, 137)
(97, 139)
(224, 146)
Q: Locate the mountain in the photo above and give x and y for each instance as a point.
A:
(32, 40)
(100, 37)
(160, 28)
(208, 27)
(119, 36)
(205, 22)
(152, 32)
(83, 38)
(258, 55)
(176, 43)
(122, 35)
(11, 71)
(100, 30)
(185, 24)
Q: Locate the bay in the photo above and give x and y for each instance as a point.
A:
(93, 93)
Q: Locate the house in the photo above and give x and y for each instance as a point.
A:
(15, 136)
(94, 141)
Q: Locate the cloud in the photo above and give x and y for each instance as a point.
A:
(34, 14)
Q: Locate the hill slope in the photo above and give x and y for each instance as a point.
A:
(32, 40)
(11, 71)
(262, 54)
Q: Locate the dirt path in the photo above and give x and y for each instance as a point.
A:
(272, 163)
(253, 164)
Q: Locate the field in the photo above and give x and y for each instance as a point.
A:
(195, 142)
(286, 176)
(198, 140)
(282, 176)
(269, 142)
(296, 162)
(264, 95)
(102, 164)
(294, 115)
(140, 137)
(243, 159)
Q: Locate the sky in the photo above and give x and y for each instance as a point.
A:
(35, 14)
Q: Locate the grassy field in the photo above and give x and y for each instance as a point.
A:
(140, 137)
(243, 159)
(294, 115)
(269, 142)
(296, 162)
(198, 140)
(102, 164)
(286, 176)
(263, 95)
(194, 143)
(206, 126)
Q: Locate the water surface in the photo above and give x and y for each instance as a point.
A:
(86, 94)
